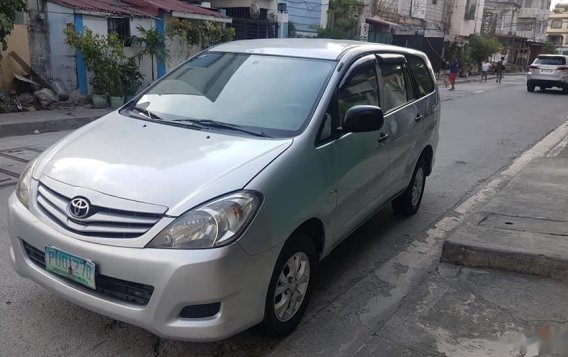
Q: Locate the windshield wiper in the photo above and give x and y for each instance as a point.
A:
(207, 123)
(147, 113)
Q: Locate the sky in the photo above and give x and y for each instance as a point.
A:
(554, 2)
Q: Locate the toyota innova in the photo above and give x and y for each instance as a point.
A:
(204, 206)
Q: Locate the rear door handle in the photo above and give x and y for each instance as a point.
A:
(382, 138)
(419, 117)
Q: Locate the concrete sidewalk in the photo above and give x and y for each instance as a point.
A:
(477, 78)
(467, 308)
(524, 228)
(25, 123)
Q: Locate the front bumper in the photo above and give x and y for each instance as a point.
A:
(227, 275)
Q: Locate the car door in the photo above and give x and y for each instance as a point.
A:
(361, 158)
(402, 117)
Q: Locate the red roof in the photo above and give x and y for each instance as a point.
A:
(138, 7)
(106, 6)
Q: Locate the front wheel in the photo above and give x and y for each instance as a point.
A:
(565, 90)
(290, 286)
(408, 203)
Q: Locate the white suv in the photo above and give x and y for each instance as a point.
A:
(548, 71)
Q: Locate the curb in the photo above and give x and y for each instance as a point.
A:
(28, 128)
(509, 260)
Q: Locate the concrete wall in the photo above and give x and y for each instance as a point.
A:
(38, 33)
(462, 27)
(62, 56)
(17, 42)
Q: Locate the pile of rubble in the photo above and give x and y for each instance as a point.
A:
(41, 99)
(30, 92)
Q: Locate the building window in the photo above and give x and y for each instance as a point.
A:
(556, 24)
(525, 26)
(120, 27)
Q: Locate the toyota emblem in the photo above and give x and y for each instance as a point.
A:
(79, 207)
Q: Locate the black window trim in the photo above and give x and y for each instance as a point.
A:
(362, 60)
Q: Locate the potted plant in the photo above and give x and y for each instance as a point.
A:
(131, 79)
(104, 58)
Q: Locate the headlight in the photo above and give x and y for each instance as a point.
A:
(23, 189)
(213, 224)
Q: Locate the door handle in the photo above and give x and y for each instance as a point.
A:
(382, 138)
(419, 117)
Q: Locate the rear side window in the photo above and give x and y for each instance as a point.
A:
(396, 86)
(421, 75)
(551, 60)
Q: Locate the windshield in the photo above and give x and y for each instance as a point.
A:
(271, 94)
(552, 61)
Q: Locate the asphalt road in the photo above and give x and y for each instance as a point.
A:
(484, 127)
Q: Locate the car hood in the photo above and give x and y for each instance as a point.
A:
(157, 163)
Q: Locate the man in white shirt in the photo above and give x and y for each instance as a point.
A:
(484, 69)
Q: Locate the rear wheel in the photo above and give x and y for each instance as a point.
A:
(408, 203)
(530, 87)
(290, 286)
(565, 90)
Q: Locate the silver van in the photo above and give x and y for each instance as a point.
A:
(204, 206)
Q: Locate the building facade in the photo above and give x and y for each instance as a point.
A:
(533, 20)
(557, 31)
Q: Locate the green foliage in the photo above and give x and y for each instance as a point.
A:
(549, 48)
(342, 20)
(199, 33)
(153, 44)
(131, 78)
(292, 30)
(483, 47)
(113, 72)
(8, 11)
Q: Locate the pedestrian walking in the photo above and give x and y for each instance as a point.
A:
(499, 68)
(454, 67)
(484, 69)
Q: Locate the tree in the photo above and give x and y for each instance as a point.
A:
(8, 11)
(549, 48)
(483, 47)
(342, 20)
(153, 44)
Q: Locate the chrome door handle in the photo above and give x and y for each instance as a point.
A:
(419, 117)
(382, 138)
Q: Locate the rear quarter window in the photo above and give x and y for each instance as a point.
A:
(421, 74)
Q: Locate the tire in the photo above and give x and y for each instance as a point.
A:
(565, 90)
(530, 87)
(408, 203)
(278, 323)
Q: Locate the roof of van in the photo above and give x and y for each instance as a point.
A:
(305, 47)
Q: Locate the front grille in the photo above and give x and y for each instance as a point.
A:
(127, 291)
(102, 222)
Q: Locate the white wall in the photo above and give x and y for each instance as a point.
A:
(96, 24)
(178, 52)
(462, 27)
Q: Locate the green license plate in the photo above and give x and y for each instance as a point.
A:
(70, 266)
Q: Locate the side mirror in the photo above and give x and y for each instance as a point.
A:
(363, 118)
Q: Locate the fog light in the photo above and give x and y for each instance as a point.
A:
(199, 311)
